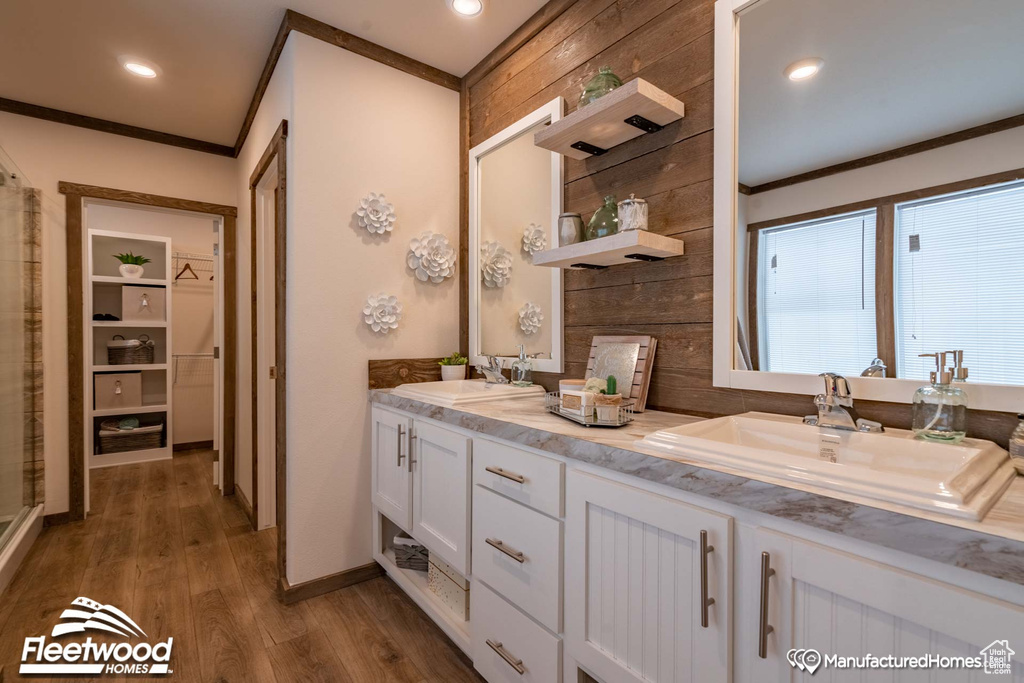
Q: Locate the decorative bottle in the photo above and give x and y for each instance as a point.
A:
(522, 369)
(940, 410)
(600, 85)
(605, 220)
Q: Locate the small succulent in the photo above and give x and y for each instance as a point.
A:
(495, 264)
(432, 257)
(534, 239)
(131, 259)
(376, 214)
(454, 359)
(382, 313)
(530, 318)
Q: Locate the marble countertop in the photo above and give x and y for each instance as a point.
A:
(993, 546)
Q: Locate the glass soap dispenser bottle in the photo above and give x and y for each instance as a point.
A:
(940, 410)
(522, 369)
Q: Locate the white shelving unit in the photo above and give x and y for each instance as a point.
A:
(103, 290)
(622, 247)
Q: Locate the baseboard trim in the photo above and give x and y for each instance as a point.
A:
(56, 519)
(289, 594)
(246, 505)
(193, 446)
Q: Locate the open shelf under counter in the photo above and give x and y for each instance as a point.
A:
(118, 280)
(141, 367)
(629, 111)
(111, 412)
(622, 247)
(98, 460)
(129, 323)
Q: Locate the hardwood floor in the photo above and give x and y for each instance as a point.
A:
(181, 560)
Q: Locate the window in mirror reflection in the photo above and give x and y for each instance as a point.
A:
(817, 294)
(960, 283)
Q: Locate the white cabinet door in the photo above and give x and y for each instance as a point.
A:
(634, 588)
(392, 478)
(840, 604)
(441, 479)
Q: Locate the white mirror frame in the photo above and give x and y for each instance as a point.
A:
(549, 113)
(980, 396)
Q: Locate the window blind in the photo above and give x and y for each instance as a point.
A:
(960, 283)
(816, 295)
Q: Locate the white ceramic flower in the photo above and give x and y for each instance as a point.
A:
(376, 214)
(432, 257)
(534, 239)
(530, 318)
(382, 313)
(495, 264)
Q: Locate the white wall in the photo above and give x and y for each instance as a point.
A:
(48, 153)
(358, 126)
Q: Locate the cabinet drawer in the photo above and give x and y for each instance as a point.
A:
(505, 532)
(507, 646)
(529, 478)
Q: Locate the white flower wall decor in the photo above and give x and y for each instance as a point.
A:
(376, 214)
(495, 264)
(530, 318)
(432, 257)
(382, 312)
(534, 239)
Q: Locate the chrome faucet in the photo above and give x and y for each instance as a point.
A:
(876, 369)
(492, 371)
(835, 408)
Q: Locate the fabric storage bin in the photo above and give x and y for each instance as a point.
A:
(138, 439)
(448, 585)
(409, 554)
(121, 351)
(117, 390)
(143, 304)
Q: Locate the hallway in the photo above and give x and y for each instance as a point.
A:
(182, 562)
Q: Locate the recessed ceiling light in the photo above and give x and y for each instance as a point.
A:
(804, 69)
(139, 67)
(467, 8)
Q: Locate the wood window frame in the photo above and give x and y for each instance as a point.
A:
(74, 196)
(885, 254)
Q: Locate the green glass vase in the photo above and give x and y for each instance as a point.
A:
(605, 220)
(599, 86)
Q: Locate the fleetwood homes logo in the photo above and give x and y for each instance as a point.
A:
(90, 657)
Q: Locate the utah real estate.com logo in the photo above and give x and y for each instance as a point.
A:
(90, 657)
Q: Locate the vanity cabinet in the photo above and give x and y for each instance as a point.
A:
(647, 584)
(391, 476)
(837, 603)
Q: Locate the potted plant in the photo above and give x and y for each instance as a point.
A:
(608, 401)
(131, 265)
(453, 367)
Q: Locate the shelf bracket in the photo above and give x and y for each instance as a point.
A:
(646, 125)
(644, 257)
(588, 148)
(587, 266)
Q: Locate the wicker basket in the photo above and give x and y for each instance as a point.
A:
(121, 351)
(141, 438)
(409, 554)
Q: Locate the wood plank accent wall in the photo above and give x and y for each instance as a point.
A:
(388, 374)
(671, 44)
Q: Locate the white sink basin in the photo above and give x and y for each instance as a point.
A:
(962, 480)
(464, 392)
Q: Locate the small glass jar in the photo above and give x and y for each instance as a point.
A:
(570, 229)
(632, 214)
(605, 221)
(600, 85)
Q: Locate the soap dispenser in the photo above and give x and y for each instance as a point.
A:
(940, 410)
(522, 369)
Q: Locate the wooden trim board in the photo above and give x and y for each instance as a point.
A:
(310, 589)
(192, 446)
(74, 195)
(388, 374)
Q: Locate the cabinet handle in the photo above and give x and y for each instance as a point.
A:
(518, 478)
(516, 664)
(514, 554)
(705, 601)
(401, 433)
(763, 627)
(412, 437)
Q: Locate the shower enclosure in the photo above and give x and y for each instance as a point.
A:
(21, 379)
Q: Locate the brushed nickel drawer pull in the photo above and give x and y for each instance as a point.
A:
(705, 601)
(401, 433)
(514, 554)
(518, 478)
(516, 664)
(763, 627)
(412, 449)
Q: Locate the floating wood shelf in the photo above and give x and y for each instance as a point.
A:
(629, 111)
(623, 247)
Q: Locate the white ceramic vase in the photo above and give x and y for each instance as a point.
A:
(451, 373)
(130, 271)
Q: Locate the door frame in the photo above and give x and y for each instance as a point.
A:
(276, 151)
(74, 196)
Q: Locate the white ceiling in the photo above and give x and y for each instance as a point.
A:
(895, 73)
(63, 55)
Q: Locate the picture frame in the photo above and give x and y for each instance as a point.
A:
(608, 351)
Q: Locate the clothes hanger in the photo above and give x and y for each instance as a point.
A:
(187, 268)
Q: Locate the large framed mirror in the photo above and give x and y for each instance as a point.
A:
(515, 197)
(869, 195)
